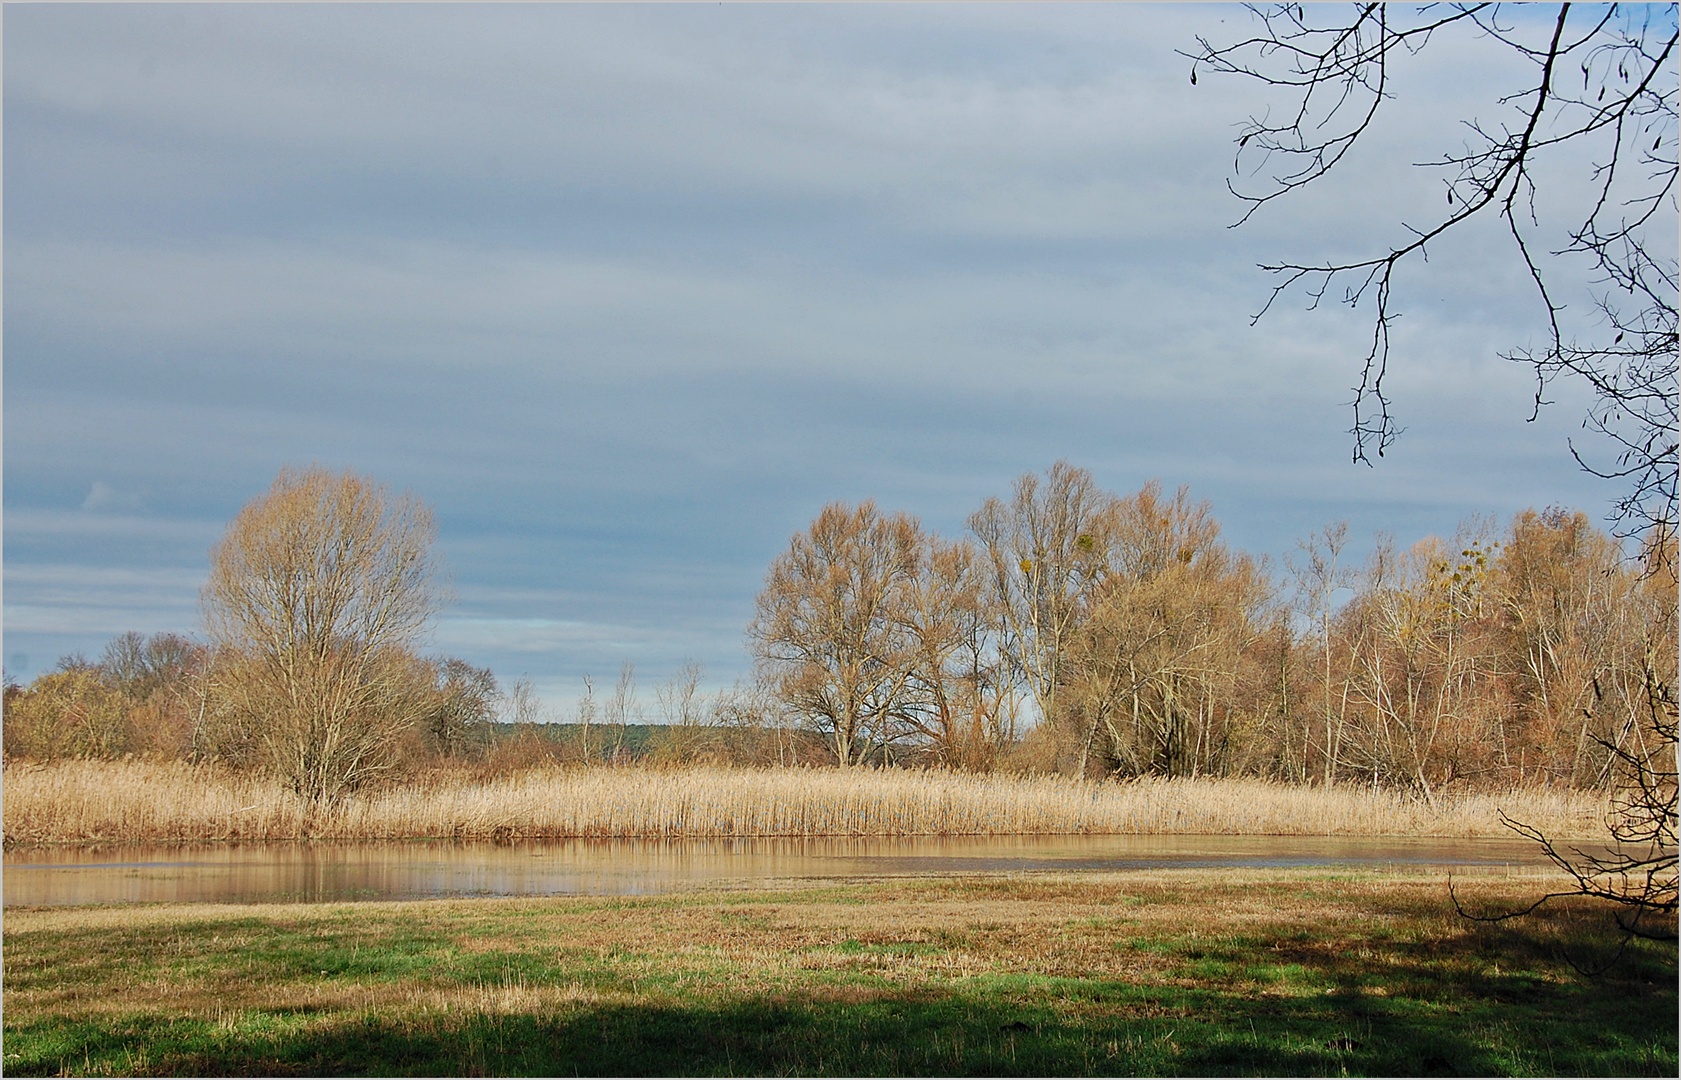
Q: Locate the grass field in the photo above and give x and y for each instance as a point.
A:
(140, 801)
(1204, 972)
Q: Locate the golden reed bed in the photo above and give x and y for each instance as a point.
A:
(97, 801)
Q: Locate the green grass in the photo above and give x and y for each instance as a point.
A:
(1288, 972)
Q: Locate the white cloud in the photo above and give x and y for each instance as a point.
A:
(105, 498)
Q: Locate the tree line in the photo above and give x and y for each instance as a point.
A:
(1080, 630)
(1071, 629)
(310, 669)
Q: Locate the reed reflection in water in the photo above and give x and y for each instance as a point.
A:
(419, 870)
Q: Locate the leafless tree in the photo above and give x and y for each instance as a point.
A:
(1046, 550)
(1637, 870)
(748, 722)
(622, 711)
(317, 594)
(829, 634)
(1155, 667)
(522, 706)
(1318, 578)
(679, 699)
(686, 730)
(464, 703)
(962, 700)
(141, 665)
(1423, 662)
(1572, 619)
(1336, 66)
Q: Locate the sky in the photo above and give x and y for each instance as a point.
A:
(626, 294)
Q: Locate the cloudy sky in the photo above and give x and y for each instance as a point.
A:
(627, 293)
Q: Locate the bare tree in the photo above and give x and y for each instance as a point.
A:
(140, 666)
(1155, 667)
(962, 699)
(622, 711)
(748, 723)
(464, 704)
(1423, 664)
(1573, 624)
(523, 707)
(160, 678)
(1046, 550)
(679, 701)
(829, 633)
(1616, 240)
(1319, 578)
(1637, 870)
(317, 594)
(684, 732)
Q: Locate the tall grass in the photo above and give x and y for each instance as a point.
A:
(139, 801)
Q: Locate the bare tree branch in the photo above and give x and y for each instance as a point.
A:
(1336, 67)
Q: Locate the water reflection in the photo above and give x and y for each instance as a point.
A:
(423, 869)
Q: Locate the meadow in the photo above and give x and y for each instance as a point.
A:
(1279, 972)
(91, 801)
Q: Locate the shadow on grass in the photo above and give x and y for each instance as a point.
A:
(1010, 1026)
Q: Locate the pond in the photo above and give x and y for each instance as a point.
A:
(250, 873)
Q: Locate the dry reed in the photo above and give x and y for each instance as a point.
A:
(140, 801)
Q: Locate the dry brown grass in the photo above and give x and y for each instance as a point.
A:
(139, 801)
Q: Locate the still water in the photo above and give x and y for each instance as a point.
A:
(250, 873)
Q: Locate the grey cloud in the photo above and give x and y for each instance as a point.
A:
(628, 293)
